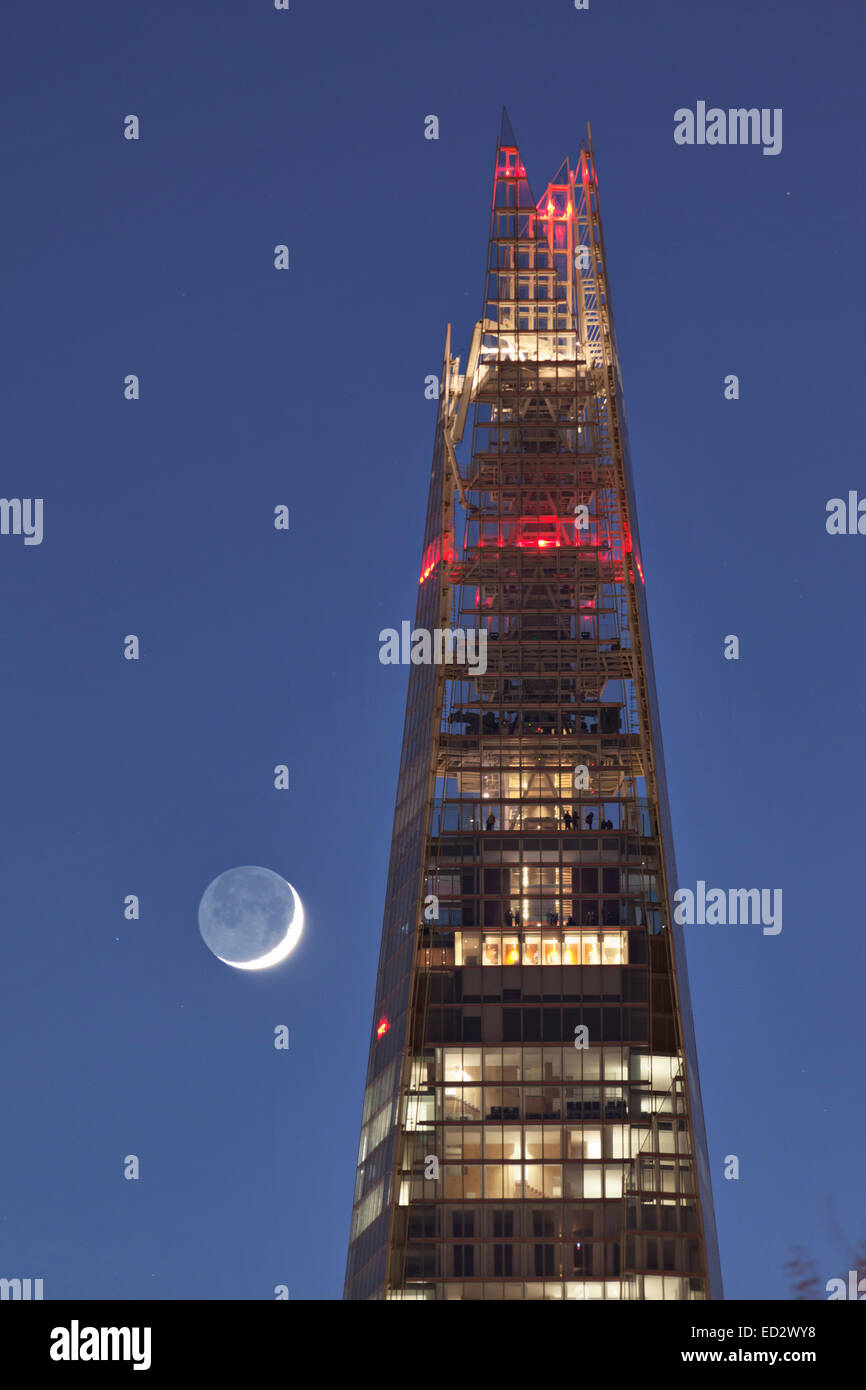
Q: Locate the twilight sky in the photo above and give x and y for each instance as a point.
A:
(306, 388)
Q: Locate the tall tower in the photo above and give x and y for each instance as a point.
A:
(532, 1124)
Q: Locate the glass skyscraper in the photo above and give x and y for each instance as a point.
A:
(532, 1124)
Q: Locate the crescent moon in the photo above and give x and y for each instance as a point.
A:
(283, 948)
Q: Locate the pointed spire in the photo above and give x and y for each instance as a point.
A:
(511, 165)
(506, 134)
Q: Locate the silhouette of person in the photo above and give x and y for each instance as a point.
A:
(590, 817)
(567, 820)
(491, 821)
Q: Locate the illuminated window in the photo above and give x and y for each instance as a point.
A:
(553, 948)
(571, 950)
(467, 948)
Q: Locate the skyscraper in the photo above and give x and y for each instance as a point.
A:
(532, 1124)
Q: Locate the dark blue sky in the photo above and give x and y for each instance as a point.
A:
(307, 388)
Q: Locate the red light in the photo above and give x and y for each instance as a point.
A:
(436, 551)
(384, 1025)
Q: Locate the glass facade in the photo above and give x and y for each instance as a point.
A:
(532, 1124)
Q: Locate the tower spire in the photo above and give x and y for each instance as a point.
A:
(533, 1077)
(506, 133)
